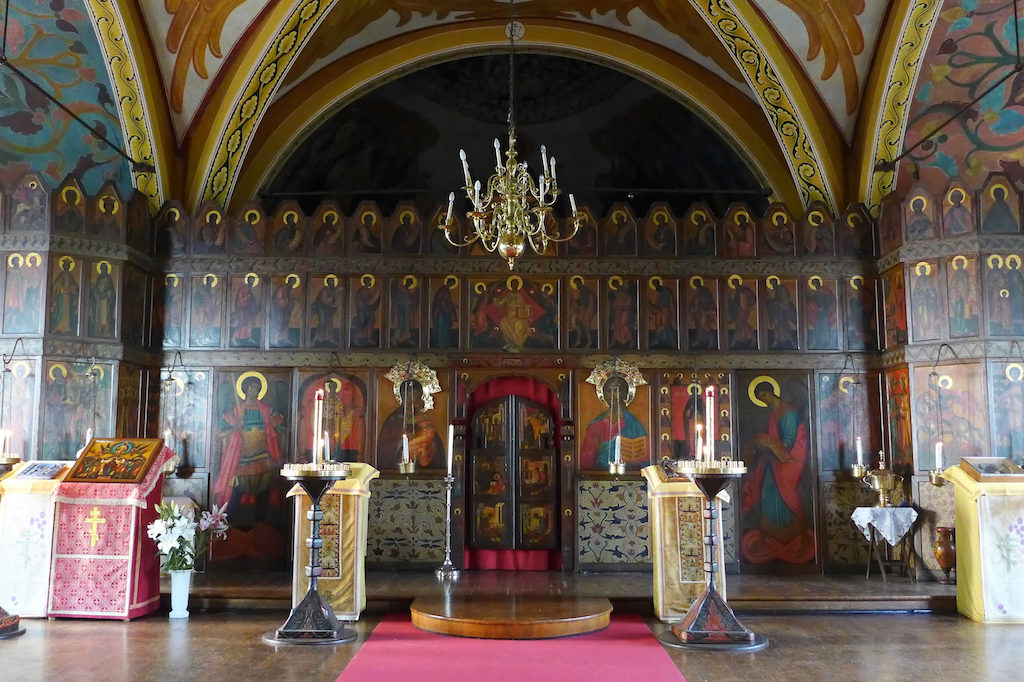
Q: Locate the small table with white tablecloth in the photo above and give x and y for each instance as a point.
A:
(891, 524)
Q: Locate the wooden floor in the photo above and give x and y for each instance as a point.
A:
(806, 644)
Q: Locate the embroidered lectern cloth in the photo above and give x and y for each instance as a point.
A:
(103, 564)
(26, 537)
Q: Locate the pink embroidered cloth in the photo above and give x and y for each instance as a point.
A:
(103, 563)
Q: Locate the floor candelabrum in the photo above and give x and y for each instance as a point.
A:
(312, 620)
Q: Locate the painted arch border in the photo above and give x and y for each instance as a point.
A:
(734, 115)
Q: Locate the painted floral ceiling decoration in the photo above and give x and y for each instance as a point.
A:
(813, 94)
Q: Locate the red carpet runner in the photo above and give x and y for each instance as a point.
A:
(399, 652)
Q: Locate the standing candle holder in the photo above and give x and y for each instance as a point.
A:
(710, 624)
(312, 621)
(447, 570)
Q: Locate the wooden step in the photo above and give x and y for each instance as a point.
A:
(511, 617)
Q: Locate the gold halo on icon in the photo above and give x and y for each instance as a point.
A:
(255, 279)
(921, 199)
(946, 381)
(33, 259)
(200, 376)
(246, 375)
(1013, 261)
(725, 438)
(330, 280)
(772, 282)
(959, 262)
(74, 192)
(362, 217)
(216, 216)
(58, 365)
(1004, 293)
(844, 384)
(994, 258)
(514, 279)
(619, 213)
(1015, 367)
(814, 282)
(174, 213)
(548, 288)
(816, 214)
(661, 213)
(368, 277)
(655, 281)
(954, 191)
(998, 185)
(171, 279)
(724, 390)
(694, 389)
(410, 282)
(210, 276)
(614, 282)
(32, 184)
(736, 216)
(252, 216)
(332, 214)
(20, 369)
(451, 281)
(335, 381)
(480, 288)
(102, 262)
(67, 259)
(923, 265)
(575, 281)
(290, 214)
(763, 379)
(666, 437)
(698, 212)
(664, 390)
(102, 203)
(857, 281)
(696, 281)
(15, 257)
(97, 369)
(293, 279)
(735, 281)
(410, 214)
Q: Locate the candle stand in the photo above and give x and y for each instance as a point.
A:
(10, 624)
(710, 624)
(447, 570)
(312, 621)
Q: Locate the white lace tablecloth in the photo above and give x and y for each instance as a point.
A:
(892, 523)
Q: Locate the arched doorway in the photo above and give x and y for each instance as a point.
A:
(513, 482)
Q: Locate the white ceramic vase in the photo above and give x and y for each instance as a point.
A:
(181, 583)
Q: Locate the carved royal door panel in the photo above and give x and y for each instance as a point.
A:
(512, 469)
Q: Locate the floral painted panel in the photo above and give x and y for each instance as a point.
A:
(613, 522)
(406, 521)
(844, 543)
(53, 42)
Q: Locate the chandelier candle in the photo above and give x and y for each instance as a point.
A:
(451, 445)
(860, 451)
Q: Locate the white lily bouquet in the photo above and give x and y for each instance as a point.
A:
(180, 538)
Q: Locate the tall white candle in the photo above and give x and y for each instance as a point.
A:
(698, 452)
(938, 454)
(5, 443)
(88, 435)
(318, 425)
(712, 422)
(860, 451)
(327, 447)
(405, 447)
(451, 446)
(618, 448)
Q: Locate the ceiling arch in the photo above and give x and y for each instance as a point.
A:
(802, 126)
(724, 107)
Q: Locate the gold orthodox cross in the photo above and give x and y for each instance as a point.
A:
(94, 518)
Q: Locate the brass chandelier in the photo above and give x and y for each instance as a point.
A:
(512, 210)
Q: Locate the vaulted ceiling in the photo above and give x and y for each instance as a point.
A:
(810, 94)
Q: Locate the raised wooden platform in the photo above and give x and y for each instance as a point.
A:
(511, 617)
